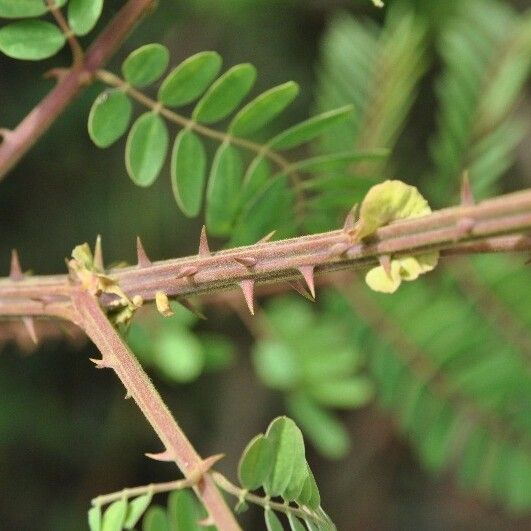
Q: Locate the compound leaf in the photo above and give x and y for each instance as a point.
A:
(156, 520)
(225, 94)
(190, 79)
(24, 8)
(83, 15)
(94, 518)
(136, 509)
(146, 64)
(263, 109)
(188, 171)
(109, 117)
(272, 521)
(31, 40)
(255, 463)
(146, 148)
(114, 516)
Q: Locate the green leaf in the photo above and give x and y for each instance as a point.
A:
(185, 512)
(309, 129)
(218, 351)
(114, 516)
(263, 109)
(94, 518)
(109, 117)
(257, 174)
(24, 8)
(188, 172)
(136, 509)
(225, 94)
(295, 523)
(187, 81)
(272, 521)
(255, 463)
(178, 355)
(348, 393)
(310, 492)
(146, 148)
(276, 364)
(287, 445)
(156, 520)
(146, 64)
(324, 430)
(31, 39)
(223, 189)
(83, 15)
(339, 161)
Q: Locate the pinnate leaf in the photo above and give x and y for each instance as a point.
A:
(185, 512)
(339, 161)
(83, 15)
(263, 109)
(309, 129)
(225, 94)
(24, 8)
(255, 463)
(187, 81)
(146, 148)
(109, 117)
(295, 523)
(136, 509)
(145, 65)
(272, 521)
(223, 188)
(188, 171)
(156, 520)
(31, 39)
(114, 516)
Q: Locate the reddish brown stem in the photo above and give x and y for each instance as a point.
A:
(19, 140)
(117, 356)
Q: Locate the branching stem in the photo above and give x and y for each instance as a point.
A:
(75, 46)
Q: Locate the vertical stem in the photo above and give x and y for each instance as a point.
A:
(116, 355)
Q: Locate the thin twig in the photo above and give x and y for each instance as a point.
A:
(75, 46)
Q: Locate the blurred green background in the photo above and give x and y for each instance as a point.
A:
(67, 435)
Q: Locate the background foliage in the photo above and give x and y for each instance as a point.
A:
(421, 399)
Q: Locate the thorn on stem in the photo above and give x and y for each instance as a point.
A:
(161, 456)
(205, 465)
(189, 305)
(301, 290)
(267, 237)
(204, 248)
(307, 273)
(15, 271)
(142, 257)
(247, 286)
(467, 197)
(350, 220)
(29, 324)
(338, 249)
(100, 364)
(247, 261)
(98, 254)
(464, 227)
(385, 262)
(56, 73)
(187, 271)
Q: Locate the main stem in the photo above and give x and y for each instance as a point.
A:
(116, 355)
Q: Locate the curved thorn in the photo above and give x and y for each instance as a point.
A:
(161, 456)
(15, 271)
(204, 248)
(98, 254)
(143, 260)
(247, 286)
(247, 261)
(29, 324)
(307, 273)
(100, 364)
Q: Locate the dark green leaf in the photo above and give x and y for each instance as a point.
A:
(225, 94)
(185, 512)
(109, 117)
(94, 518)
(24, 8)
(114, 516)
(310, 129)
(31, 39)
(146, 64)
(255, 178)
(218, 351)
(295, 523)
(255, 463)
(146, 148)
(287, 445)
(188, 172)
(156, 520)
(263, 109)
(272, 521)
(136, 509)
(83, 15)
(190, 79)
(223, 189)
